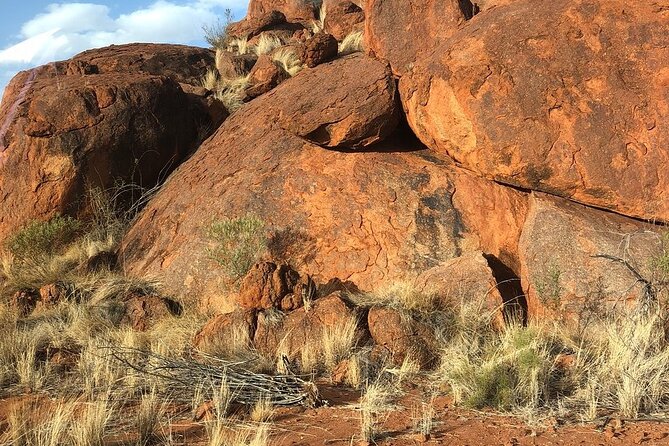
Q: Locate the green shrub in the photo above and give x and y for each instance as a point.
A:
(239, 242)
(514, 368)
(41, 239)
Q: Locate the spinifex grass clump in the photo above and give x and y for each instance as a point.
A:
(40, 239)
(238, 243)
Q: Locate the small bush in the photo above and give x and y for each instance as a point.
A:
(39, 239)
(216, 35)
(239, 242)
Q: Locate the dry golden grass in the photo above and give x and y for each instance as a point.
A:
(90, 427)
(151, 411)
(266, 44)
(210, 79)
(318, 25)
(262, 411)
(288, 60)
(239, 45)
(352, 43)
(401, 296)
(374, 403)
(338, 341)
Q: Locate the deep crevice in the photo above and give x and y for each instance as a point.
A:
(525, 190)
(514, 303)
(468, 8)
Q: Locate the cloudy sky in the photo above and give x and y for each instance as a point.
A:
(35, 32)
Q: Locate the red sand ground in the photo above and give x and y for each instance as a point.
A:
(338, 425)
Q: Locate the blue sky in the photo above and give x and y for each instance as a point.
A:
(34, 32)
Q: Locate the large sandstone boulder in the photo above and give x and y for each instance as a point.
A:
(184, 64)
(401, 31)
(562, 271)
(294, 10)
(288, 333)
(470, 278)
(578, 109)
(370, 217)
(402, 336)
(343, 17)
(61, 135)
(349, 103)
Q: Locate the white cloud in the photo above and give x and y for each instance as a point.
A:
(65, 29)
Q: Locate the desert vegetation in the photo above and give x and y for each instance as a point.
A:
(79, 351)
(376, 248)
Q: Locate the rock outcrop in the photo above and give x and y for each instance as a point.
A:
(401, 31)
(370, 217)
(77, 124)
(343, 17)
(572, 259)
(579, 111)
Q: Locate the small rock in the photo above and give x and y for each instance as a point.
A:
(52, 294)
(265, 76)
(321, 48)
(205, 411)
(25, 301)
(421, 437)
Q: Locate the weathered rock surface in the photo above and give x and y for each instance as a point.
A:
(266, 285)
(463, 278)
(402, 336)
(319, 49)
(265, 76)
(294, 10)
(290, 331)
(225, 327)
(348, 103)
(366, 217)
(183, 64)
(231, 66)
(62, 130)
(401, 31)
(560, 274)
(343, 18)
(579, 110)
(140, 311)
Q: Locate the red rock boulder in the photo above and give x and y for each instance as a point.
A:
(266, 285)
(402, 336)
(349, 103)
(225, 327)
(343, 17)
(63, 130)
(401, 31)
(368, 217)
(265, 76)
(289, 332)
(294, 10)
(319, 49)
(578, 111)
(568, 254)
(141, 312)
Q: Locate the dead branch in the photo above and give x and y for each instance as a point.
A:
(246, 387)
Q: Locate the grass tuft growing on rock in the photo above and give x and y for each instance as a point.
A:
(352, 43)
(288, 60)
(237, 244)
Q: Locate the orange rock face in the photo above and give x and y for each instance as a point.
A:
(371, 217)
(343, 17)
(66, 126)
(401, 31)
(562, 272)
(577, 109)
(294, 10)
